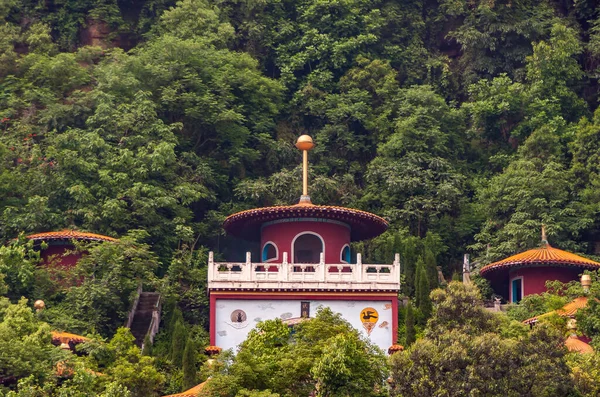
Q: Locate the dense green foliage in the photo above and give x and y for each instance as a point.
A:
(470, 125)
(467, 125)
(468, 351)
(324, 353)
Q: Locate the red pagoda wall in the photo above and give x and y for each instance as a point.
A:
(534, 278)
(54, 255)
(335, 236)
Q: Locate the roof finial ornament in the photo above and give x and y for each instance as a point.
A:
(305, 143)
(544, 238)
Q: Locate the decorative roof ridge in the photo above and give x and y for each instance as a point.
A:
(70, 234)
(246, 224)
(305, 205)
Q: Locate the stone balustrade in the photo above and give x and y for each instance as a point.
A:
(298, 276)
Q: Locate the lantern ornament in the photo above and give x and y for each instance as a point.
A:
(586, 282)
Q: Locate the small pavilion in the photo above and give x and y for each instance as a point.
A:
(573, 343)
(305, 263)
(59, 251)
(526, 273)
(66, 340)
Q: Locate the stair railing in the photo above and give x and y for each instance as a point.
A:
(155, 322)
(131, 315)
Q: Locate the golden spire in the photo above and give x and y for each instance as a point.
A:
(305, 143)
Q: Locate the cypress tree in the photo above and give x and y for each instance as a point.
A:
(431, 267)
(178, 343)
(409, 322)
(424, 300)
(176, 316)
(409, 261)
(417, 281)
(189, 365)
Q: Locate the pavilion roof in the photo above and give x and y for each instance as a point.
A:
(544, 255)
(576, 345)
(65, 337)
(247, 224)
(69, 234)
(568, 310)
(193, 392)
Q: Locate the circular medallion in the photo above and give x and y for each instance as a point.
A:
(238, 316)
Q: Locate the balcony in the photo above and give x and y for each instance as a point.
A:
(303, 276)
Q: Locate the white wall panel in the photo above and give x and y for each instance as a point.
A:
(229, 334)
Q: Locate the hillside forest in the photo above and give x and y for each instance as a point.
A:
(466, 124)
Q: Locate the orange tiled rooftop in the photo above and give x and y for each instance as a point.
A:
(567, 310)
(544, 255)
(246, 223)
(70, 235)
(65, 337)
(576, 345)
(193, 392)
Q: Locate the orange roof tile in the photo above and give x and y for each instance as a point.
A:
(193, 392)
(578, 346)
(571, 308)
(70, 235)
(567, 310)
(65, 337)
(545, 255)
(247, 224)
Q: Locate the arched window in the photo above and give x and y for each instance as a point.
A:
(269, 252)
(345, 254)
(307, 248)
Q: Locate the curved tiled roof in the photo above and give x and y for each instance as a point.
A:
(545, 255)
(68, 234)
(193, 392)
(574, 344)
(567, 310)
(65, 337)
(363, 225)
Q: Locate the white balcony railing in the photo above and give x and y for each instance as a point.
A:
(303, 275)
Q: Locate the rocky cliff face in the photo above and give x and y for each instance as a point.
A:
(96, 33)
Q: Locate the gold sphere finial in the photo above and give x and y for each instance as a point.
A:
(305, 142)
(39, 305)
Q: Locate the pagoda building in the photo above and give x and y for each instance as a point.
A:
(305, 263)
(526, 273)
(57, 248)
(574, 342)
